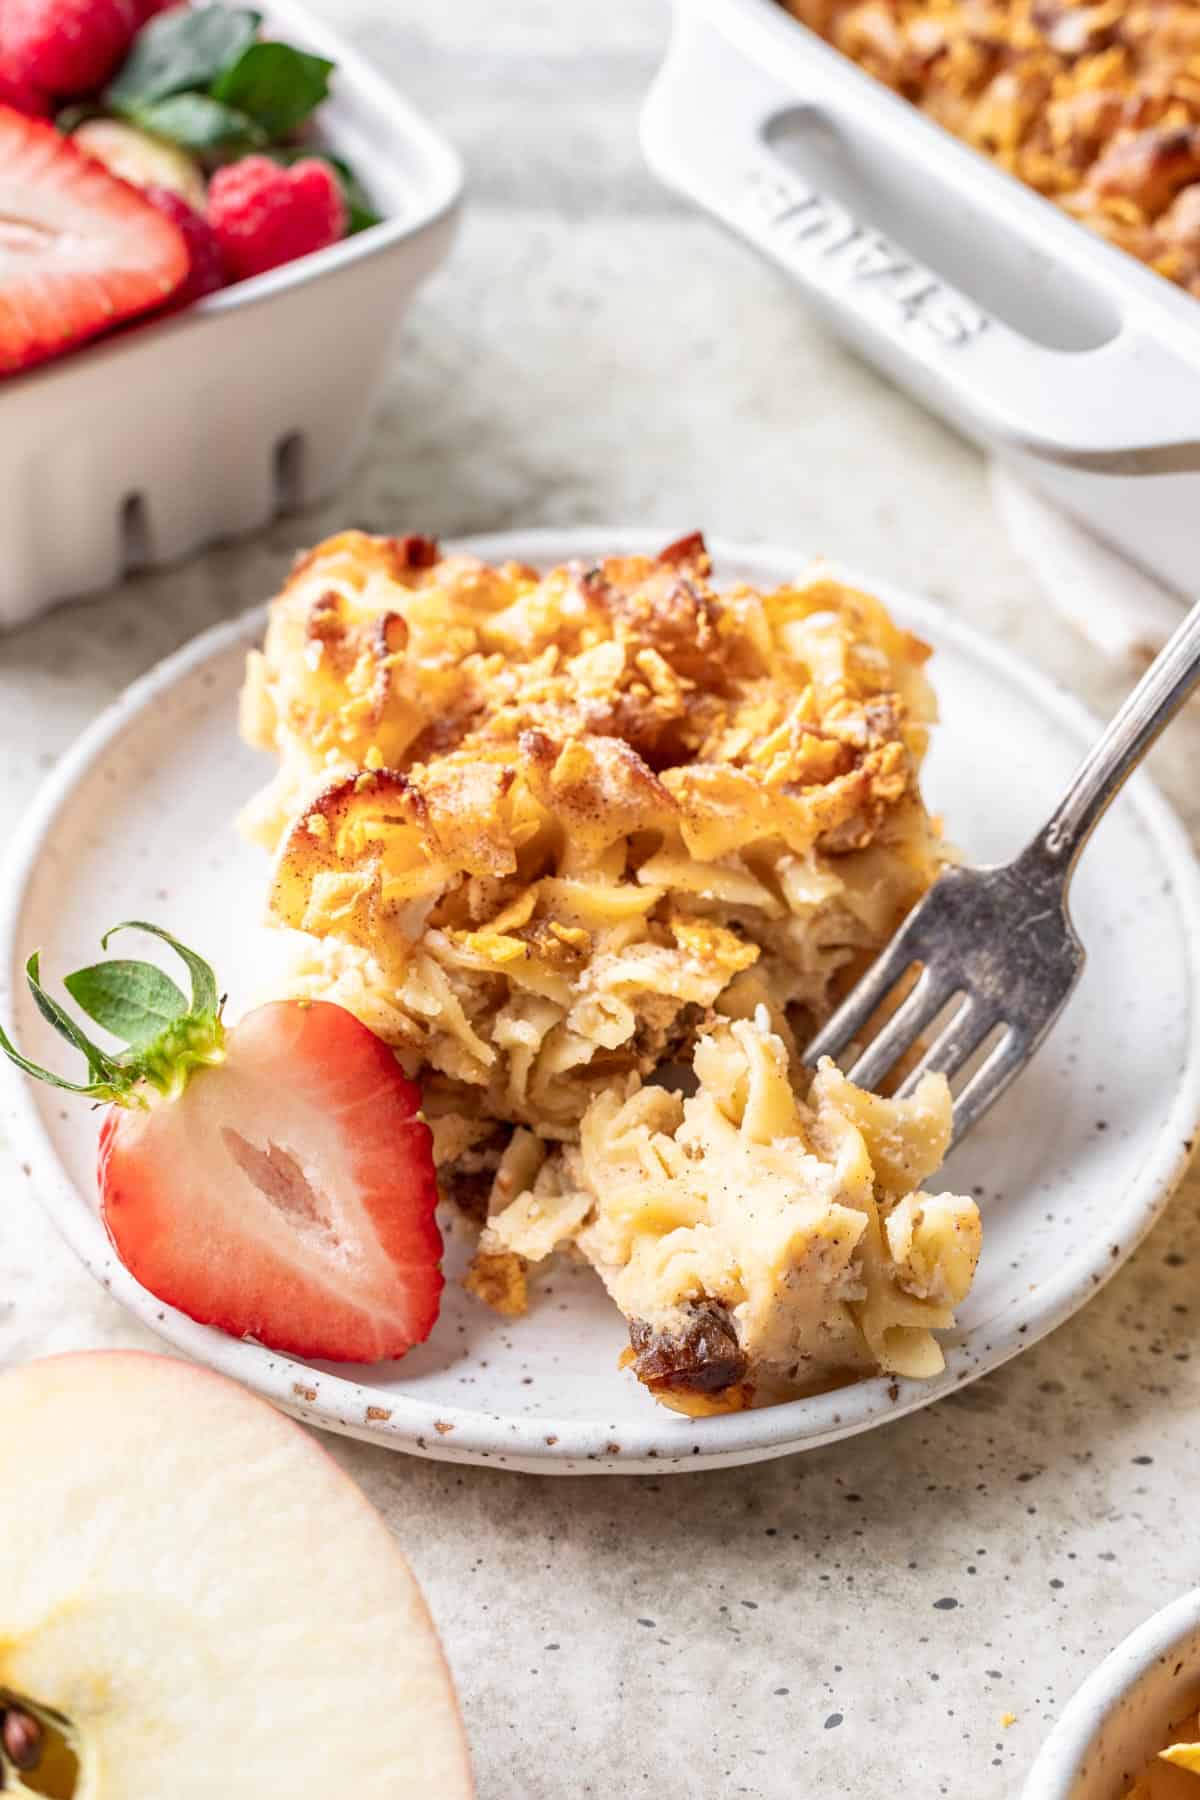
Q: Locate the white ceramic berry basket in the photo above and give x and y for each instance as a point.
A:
(141, 448)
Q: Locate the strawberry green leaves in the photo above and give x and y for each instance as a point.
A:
(201, 77)
(133, 1000)
(274, 85)
(201, 124)
(166, 1036)
(204, 982)
(183, 50)
(103, 1070)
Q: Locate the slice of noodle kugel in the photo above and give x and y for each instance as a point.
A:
(195, 1601)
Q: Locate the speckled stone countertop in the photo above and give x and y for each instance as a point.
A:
(854, 1622)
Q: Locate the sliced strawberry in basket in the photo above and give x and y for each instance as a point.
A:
(80, 251)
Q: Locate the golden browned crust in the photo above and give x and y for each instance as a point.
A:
(1095, 103)
(555, 817)
(497, 1278)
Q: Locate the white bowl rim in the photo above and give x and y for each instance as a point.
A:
(550, 1444)
(1065, 1751)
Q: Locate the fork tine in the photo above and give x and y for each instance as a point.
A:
(989, 1081)
(914, 1012)
(955, 1044)
(852, 1016)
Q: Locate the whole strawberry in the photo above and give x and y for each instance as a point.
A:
(205, 271)
(65, 47)
(20, 95)
(264, 215)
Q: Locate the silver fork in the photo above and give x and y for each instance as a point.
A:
(1001, 939)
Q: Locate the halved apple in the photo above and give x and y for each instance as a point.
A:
(195, 1601)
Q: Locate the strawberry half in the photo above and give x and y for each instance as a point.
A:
(272, 1178)
(80, 251)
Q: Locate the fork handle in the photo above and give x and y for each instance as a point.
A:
(1155, 700)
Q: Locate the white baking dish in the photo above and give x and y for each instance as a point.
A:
(990, 305)
(141, 448)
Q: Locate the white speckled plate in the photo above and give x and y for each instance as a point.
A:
(1070, 1169)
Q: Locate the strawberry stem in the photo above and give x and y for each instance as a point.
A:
(193, 1042)
(131, 1000)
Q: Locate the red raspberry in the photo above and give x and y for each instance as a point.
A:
(65, 47)
(265, 215)
(22, 98)
(148, 9)
(205, 272)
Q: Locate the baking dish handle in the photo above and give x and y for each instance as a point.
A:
(1119, 409)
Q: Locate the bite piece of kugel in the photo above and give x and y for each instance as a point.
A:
(760, 1244)
(197, 1600)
